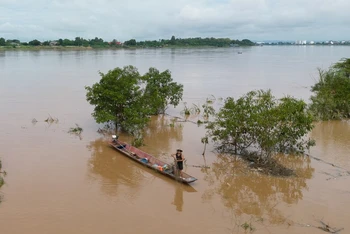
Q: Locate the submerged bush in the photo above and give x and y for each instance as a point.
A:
(331, 99)
(258, 122)
(76, 130)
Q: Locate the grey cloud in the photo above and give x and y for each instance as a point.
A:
(153, 19)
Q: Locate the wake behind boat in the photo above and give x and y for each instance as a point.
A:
(149, 161)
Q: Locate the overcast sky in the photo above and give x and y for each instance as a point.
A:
(154, 19)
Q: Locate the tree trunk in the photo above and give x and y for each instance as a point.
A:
(205, 147)
(116, 126)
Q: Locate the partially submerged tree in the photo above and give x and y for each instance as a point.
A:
(331, 99)
(127, 99)
(161, 90)
(258, 122)
(118, 98)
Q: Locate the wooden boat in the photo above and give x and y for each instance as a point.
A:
(150, 161)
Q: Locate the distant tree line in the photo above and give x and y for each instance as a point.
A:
(100, 43)
(78, 41)
(198, 41)
(307, 44)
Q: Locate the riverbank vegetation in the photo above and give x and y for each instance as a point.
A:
(331, 93)
(96, 43)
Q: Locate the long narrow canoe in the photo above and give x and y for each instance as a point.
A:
(150, 161)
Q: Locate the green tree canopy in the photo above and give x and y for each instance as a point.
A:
(46, 43)
(126, 98)
(258, 122)
(2, 41)
(34, 43)
(161, 90)
(172, 40)
(131, 42)
(78, 41)
(331, 99)
(118, 98)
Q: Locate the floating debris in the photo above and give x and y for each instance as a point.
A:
(327, 228)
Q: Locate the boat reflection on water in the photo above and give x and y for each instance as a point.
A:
(112, 171)
(178, 198)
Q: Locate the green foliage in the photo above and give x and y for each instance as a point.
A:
(13, 41)
(118, 98)
(2, 41)
(343, 67)
(208, 110)
(78, 41)
(34, 43)
(131, 42)
(205, 140)
(172, 124)
(100, 43)
(161, 90)
(76, 130)
(125, 98)
(198, 41)
(248, 227)
(195, 109)
(331, 99)
(211, 99)
(172, 40)
(260, 123)
(186, 110)
(137, 141)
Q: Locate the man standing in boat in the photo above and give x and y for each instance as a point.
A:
(179, 159)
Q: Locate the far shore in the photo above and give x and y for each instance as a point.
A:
(74, 48)
(105, 48)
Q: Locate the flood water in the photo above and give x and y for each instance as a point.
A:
(60, 183)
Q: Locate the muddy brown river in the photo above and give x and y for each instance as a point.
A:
(61, 183)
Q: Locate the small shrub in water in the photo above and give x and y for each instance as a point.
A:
(76, 130)
(51, 120)
(247, 227)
